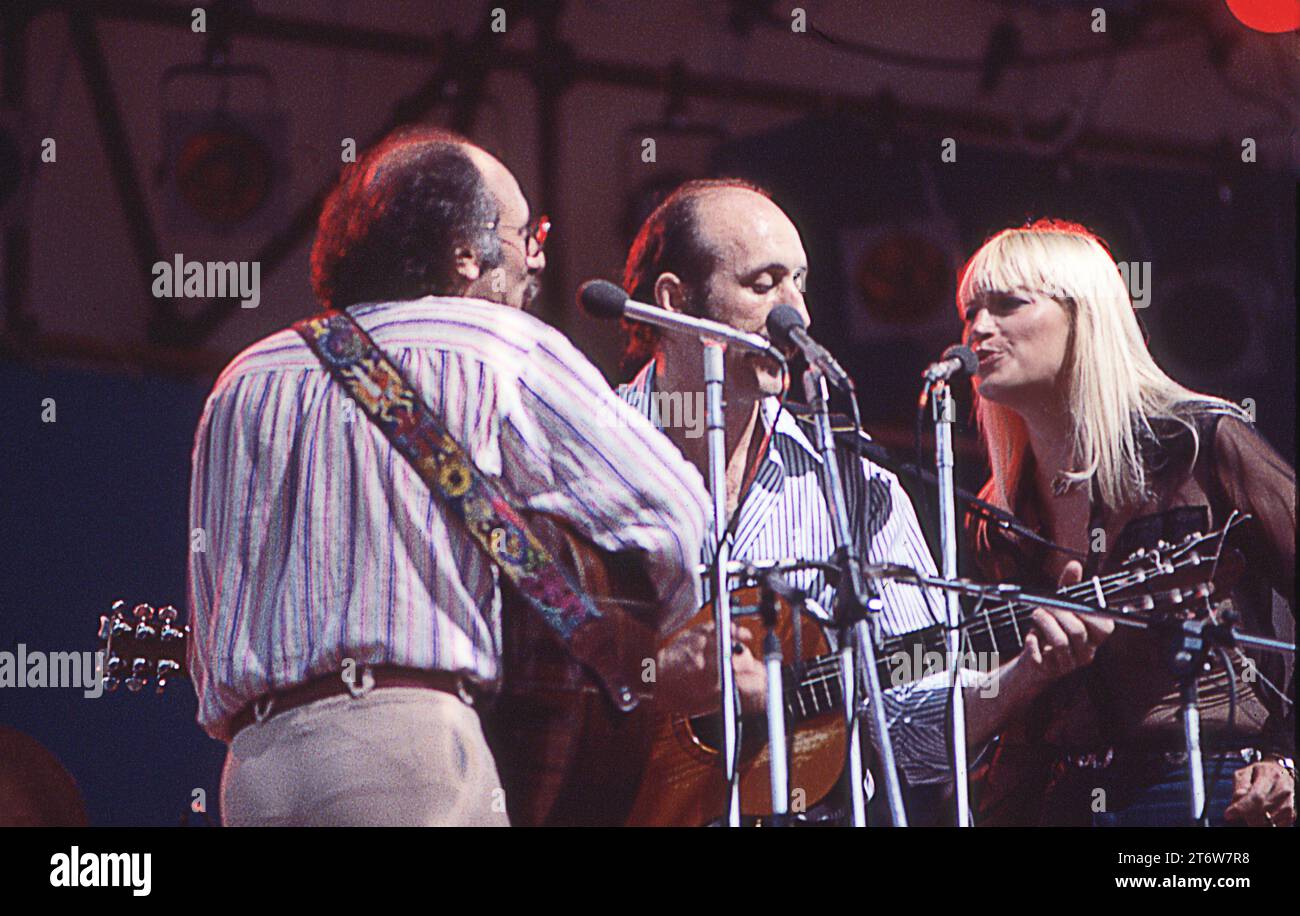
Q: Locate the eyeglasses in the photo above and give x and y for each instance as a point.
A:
(534, 233)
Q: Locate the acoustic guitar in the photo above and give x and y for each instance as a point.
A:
(566, 755)
(683, 785)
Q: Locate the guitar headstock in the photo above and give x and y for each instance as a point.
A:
(1181, 575)
(1198, 542)
(142, 645)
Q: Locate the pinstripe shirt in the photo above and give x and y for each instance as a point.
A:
(784, 516)
(313, 541)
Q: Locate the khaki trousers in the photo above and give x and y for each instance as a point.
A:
(396, 756)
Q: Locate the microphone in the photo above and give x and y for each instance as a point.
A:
(786, 327)
(956, 359)
(602, 299)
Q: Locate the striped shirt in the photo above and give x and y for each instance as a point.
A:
(785, 517)
(313, 540)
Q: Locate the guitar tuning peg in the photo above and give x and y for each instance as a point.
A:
(166, 668)
(112, 683)
(143, 612)
(170, 632)
(117, 607)
(144, 628)
(134, 684)
(114, 665)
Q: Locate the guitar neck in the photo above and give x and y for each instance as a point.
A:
(1146, 579)
(996, 633)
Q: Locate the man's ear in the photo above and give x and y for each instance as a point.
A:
(468, 267)
(670, 293)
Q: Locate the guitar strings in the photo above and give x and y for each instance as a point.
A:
(824, 669)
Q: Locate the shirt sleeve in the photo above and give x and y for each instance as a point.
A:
(1258, 481)
(198, 577)
(213, 517)
(590, 459)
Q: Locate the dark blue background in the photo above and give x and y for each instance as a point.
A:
(94, 508)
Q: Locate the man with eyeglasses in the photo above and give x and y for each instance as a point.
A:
(343, 616)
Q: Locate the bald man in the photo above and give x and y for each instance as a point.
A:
(344, 618)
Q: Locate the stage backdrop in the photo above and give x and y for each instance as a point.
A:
(887, 224)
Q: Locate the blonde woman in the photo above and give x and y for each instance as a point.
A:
(1093, 445)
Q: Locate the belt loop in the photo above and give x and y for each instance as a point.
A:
(462, 690)
(367, 682)
(262, 708)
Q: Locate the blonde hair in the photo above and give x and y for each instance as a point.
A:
(1115, 390)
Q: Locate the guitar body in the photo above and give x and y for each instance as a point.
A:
(682, 784)
(566, 755)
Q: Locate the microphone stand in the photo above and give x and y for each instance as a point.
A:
(775, 703)
(714, 374)
(943, 412)
(854, 599)
(1187, 648)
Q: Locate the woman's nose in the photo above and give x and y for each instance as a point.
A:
(980, 326)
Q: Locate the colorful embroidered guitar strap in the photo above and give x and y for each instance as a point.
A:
(370, 378)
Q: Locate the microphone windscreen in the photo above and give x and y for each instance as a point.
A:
(969, 361)
(602, 299)
(781, 321)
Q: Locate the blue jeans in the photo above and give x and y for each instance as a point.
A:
(1167, 802)
(1136, 793)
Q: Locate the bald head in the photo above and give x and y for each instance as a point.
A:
(721, 249)
(746, 232)
(514, 279)
(423, 212)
